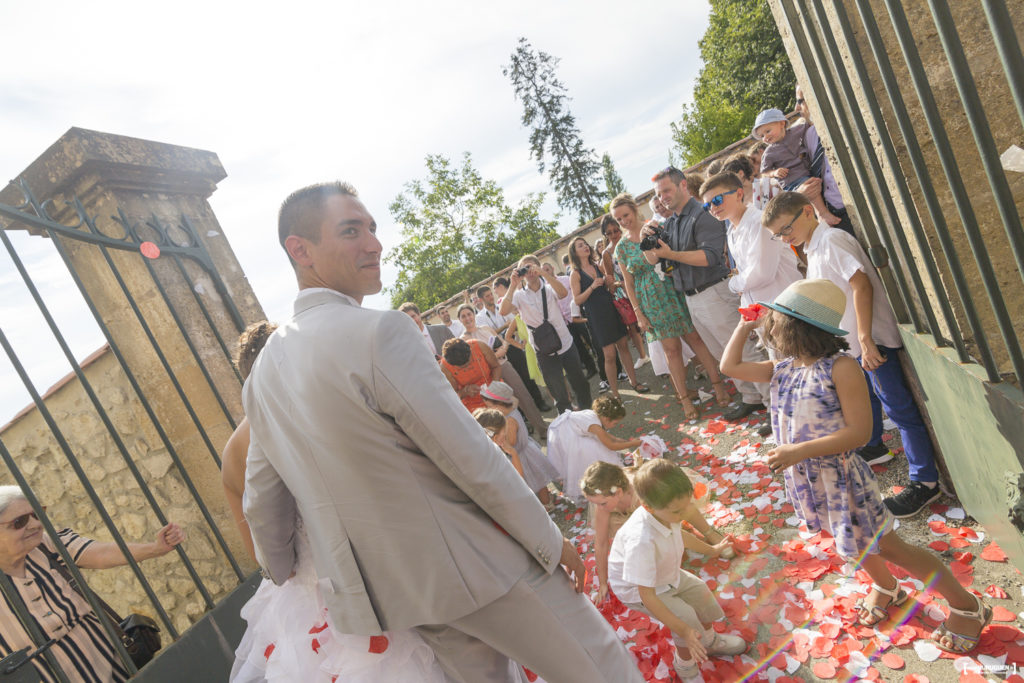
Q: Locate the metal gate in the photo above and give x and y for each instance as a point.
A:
(177, 261)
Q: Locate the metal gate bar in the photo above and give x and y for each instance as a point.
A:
(983, 139)
(838, 131)
(101, 411)
(893, 231)
(913, 217)
(1001, 25)
(927, 187)
(154, 223)
(955, 182)
(187, 339)
(80, 473)
(76, 573)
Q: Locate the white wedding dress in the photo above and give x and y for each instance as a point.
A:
(288, 639)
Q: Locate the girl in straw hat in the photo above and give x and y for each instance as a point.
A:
(820, 414)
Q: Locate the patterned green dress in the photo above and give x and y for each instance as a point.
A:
(664, 307)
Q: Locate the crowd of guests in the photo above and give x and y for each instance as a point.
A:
(753, 271)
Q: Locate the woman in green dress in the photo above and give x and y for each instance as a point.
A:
(661, 312)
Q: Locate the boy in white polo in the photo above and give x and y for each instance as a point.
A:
(644, 572)
(874, 339)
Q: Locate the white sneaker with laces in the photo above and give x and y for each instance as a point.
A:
(726, 644)
(640, 362)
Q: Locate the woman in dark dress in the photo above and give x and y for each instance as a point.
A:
(590, 292)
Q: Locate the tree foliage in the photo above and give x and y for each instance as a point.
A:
(612, 179)
(458, 230)
(555, 140)
(745, 70)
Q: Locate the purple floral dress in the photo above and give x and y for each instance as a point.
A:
(835, 493)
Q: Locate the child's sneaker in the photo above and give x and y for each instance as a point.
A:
(728, 645)
(912, 499)
(687, 669)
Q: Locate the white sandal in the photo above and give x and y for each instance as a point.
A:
(961, 644)
(897, 596)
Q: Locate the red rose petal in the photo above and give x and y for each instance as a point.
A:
(993, 553)
(996, 592)
(893, 660)
(824, 670)
(269, 651)
(1000, 613)
(378, 644)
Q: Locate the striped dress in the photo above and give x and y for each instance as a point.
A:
(82, 649)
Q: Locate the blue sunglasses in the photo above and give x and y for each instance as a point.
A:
(716, 200)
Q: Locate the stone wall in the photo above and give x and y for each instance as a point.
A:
(48, 472)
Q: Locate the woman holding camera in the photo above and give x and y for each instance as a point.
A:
(487, 335)
(660, 311)
(82, 648)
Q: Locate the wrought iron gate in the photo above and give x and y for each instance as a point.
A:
(176, 260)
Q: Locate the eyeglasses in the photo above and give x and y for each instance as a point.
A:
(716, 200)
(800, 100)
(788, 228)
(21, 521)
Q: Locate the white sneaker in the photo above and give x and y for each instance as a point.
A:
(728, 645)
(640, 362)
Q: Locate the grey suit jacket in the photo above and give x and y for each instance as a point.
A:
(439, 334)
(413, 514)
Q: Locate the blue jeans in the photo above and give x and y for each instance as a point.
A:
(889, 388)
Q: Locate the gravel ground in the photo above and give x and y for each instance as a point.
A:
(738, 448)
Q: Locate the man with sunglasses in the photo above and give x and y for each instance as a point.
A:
(696, 242)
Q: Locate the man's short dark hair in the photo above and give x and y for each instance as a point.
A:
(480, 291)
(409, 306)
(301, 214)
(672, 173)
(502, 282)
(738, 163)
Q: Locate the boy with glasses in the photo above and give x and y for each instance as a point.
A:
(874, 339)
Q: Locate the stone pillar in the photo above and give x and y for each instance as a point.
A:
(146, 180)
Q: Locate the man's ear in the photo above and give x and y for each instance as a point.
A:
(298, 248)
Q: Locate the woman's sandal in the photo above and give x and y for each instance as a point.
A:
(897, 596)
(722, 397)
(641, 388)
(959, 643)
(727, 553)
(689, 404)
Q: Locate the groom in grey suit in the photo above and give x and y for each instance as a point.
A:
(415, 518)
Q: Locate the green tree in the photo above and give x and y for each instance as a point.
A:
(555, 140)
(745, 70)
(612, 179)
(458, 230)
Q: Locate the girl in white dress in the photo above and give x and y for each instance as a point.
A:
(578, 438)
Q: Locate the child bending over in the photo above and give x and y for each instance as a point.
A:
(494, 424)
(643, 569)
(609, 490)
(578, 438)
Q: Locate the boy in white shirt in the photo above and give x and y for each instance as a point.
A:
(764, 267)
(874, 338)
(644, 571)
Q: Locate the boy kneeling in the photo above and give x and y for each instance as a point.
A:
(644, 572)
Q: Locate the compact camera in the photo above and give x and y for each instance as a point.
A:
(521, 272)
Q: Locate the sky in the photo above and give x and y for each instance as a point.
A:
(300, 92)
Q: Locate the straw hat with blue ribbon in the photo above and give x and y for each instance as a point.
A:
(818, 302)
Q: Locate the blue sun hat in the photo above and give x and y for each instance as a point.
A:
(817, 302)
(767, 116)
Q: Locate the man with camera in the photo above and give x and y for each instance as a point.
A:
(537, 302)
(696, 244)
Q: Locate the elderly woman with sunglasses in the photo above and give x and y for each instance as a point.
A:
(82, 647)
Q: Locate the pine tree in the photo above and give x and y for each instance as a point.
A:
(612, 179)
(555, 140)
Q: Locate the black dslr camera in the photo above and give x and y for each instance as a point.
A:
(521, 272)
(651, 241)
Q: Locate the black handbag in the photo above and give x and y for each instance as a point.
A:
(139, 633)
(545, 337)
